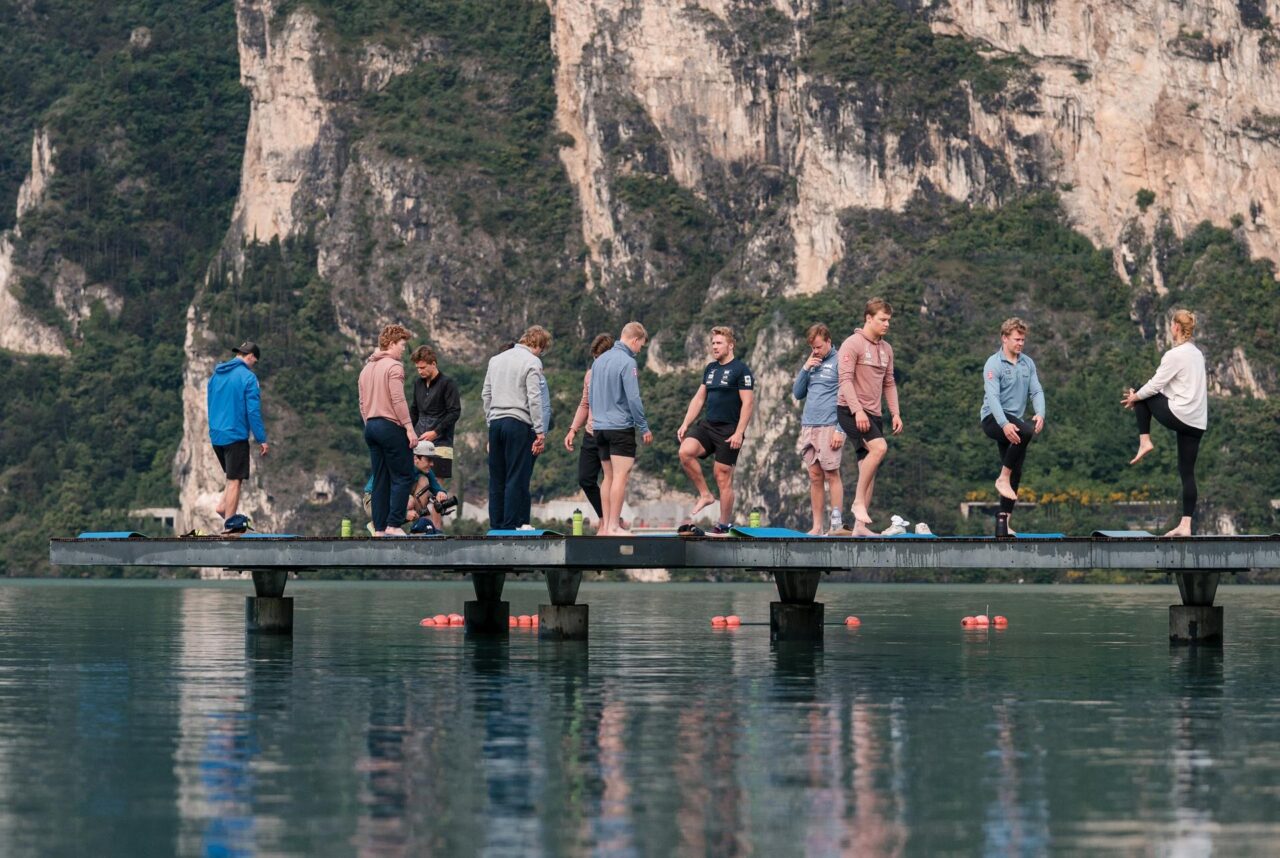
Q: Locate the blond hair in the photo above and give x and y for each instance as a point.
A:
(1185, 322)
(536, 337)
(1012, 324)
(724, 331)
(633, 330)
(391, 335)
(817, 331)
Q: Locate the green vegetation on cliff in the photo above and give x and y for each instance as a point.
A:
(149, 139)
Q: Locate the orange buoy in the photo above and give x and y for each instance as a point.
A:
(852, 621)
(967, 621)
(427, 622)
(525, 620)
(533, 619)
(982, 620)
(733, 620)
(441, 619)
(1000, 622)
(717, 621)
(455, 620)
(512, 622)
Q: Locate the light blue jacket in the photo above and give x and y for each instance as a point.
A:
(818, 388)
(615, 391)
(1008, 385)
(235, 404)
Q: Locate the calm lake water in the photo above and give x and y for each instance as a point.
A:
(139, 719)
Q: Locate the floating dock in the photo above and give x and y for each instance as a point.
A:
(795, 562)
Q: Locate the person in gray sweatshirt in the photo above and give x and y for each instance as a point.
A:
(616, 413)
(512, 397)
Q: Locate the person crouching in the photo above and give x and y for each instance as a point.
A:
(427, 492)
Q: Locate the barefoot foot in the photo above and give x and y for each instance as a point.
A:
(860, 529)
(1144, 447)
(814, 531)
(1005, 490)
(860, 514)
(704, 501)
(1180, 530)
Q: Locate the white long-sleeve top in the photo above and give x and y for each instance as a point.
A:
(1181, 378)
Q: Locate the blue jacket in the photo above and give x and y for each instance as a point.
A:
(1007, 386)
(615, 391)
(235, 404)
(819, 387)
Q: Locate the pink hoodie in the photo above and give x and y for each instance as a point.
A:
(382, 390)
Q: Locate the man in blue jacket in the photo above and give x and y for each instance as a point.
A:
(235, 411)
(616, 415)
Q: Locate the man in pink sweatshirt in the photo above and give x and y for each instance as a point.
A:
(866, 377)
(388, 430)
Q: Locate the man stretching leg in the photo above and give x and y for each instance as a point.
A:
(728, 389)
(866, 376)
(1009, 379)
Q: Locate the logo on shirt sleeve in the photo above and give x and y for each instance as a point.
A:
(746, 379)
(990, 375)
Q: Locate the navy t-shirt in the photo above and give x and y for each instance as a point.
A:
(723, 383)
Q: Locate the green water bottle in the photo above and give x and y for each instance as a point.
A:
(577, 522)
(755, 516)
(346, 528)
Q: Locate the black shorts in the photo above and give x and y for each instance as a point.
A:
(855, 435)
(615, 442)
(714, 438)
(234, 459)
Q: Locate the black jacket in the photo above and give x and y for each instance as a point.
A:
(436, 407)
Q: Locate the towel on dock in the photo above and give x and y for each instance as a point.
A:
(112, 534)
(1123, 534)
(769, 533)
(532, 532)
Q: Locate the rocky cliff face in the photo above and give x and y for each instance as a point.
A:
(1159, 113)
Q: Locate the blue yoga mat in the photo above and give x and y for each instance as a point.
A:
(524, 533)
(769, 533)
(1042, 536)
(255, 535)
(112, 534)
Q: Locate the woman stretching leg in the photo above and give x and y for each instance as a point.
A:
(1177, 397)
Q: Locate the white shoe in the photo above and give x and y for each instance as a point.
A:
(526, 527)
(923, 529)
(897, 525)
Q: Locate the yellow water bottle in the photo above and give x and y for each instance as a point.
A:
(577, 522)
(755, 517)
(346, 528)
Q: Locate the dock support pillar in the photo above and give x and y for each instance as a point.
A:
(797, 617)
(488, 614)
(269, 612)
(1197, 620)
(795, 622)
(563, 619)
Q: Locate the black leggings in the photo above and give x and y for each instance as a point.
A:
(1011, 455)
(589, 472)
(1188, 443)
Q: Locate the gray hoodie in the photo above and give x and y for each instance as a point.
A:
(512, 386)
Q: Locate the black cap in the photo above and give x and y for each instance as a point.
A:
(248, 347)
